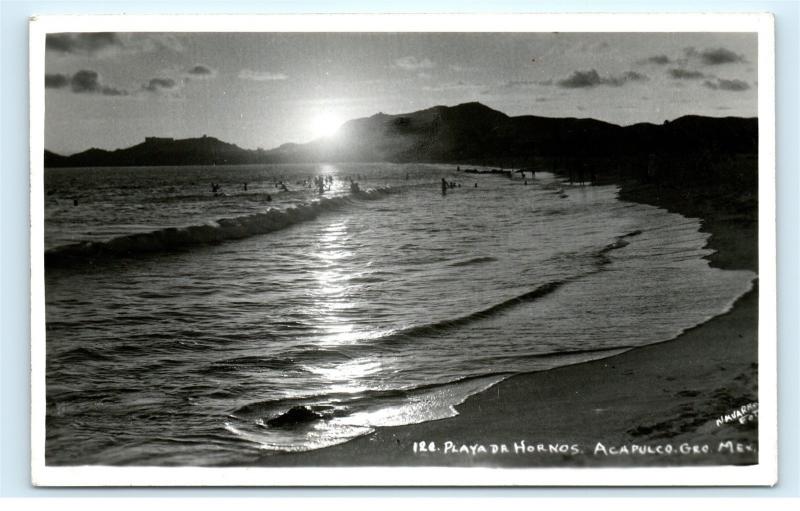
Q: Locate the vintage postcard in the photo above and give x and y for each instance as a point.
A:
(403, 250)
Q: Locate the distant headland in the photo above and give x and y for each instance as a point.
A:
(465, 133)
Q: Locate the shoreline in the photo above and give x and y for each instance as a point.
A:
(669, 393)
(694, 395)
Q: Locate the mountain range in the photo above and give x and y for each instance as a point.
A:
(465, 133)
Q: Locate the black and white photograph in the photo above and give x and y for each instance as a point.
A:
(420, 254)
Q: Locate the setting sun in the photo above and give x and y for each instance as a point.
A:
(325, 124)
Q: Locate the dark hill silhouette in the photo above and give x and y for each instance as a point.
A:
(466, 133)
(52, 159)
(161, 151)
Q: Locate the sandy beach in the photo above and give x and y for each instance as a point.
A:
(688, 401)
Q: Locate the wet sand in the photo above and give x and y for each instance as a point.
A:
(659, 405)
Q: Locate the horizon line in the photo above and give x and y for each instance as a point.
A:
(205, 135)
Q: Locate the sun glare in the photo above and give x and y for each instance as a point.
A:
(325, 124)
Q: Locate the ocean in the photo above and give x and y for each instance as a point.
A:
(183, 326)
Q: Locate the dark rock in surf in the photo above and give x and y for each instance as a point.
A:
(296, 415)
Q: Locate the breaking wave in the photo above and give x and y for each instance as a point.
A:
(224, 229)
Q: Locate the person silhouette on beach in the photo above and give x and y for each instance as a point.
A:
(444, 186)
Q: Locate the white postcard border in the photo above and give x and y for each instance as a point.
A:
(765, 473)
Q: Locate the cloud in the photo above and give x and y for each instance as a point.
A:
(463, 69)
(685, 74)
(55, 81)
(459, 85)
(413, 64)
(591, 78)
(729, 85)
(714, 56)
(660, 60)
(84, 81)
(110, 91)
(88, 82)
(200, 71)
(581, 79)
(159, 84)
(84, 43)
(516, 84)
(261, 76)
(627, 76)
(104, 44)
(152, 42)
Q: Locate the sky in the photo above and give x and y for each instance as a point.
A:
(111, 90)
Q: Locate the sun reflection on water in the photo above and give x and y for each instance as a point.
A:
(334, 292)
